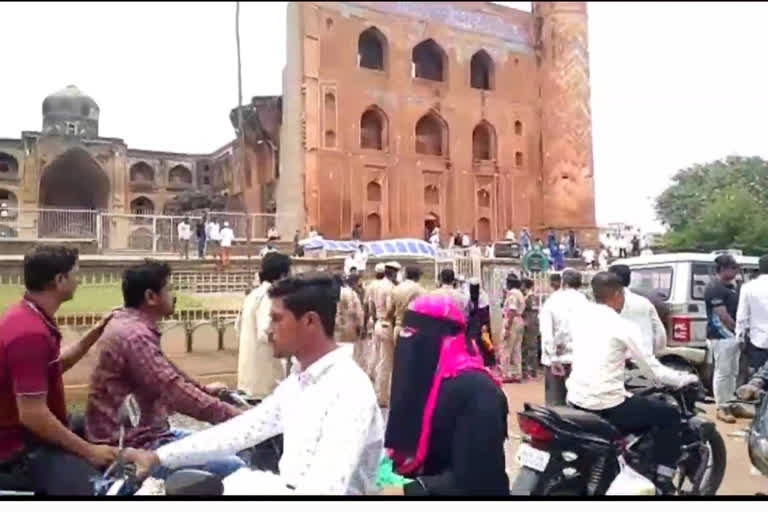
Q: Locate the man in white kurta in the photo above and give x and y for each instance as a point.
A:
(258, 371)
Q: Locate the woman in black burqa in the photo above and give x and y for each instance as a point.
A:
(479, 323)
(448, 417)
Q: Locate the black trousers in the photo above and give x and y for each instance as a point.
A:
(638, 414)
(756, 358)
(554, 387)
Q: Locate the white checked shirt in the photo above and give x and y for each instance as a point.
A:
(333, 433)
(752, 313)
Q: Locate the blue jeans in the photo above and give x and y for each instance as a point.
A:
(222, 467)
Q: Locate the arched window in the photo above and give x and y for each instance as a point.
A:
(9, 167)
(371, 49)
(484, 142)
(373, 129)
(180, 175)
(431, 135)
(142, 206)
(142, 172)
(429, 61)
(518, 128)
(330, 139)
(483, 199)
(481, 71)
(431, 195)
(373, 192)
(518, 159)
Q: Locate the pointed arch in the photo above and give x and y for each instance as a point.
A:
(431, 135)
(142, 205)
(484, 230)
(9, 166)
(484, 141)
(481, 71)
(372, 49)
(142, 172)
(429, 61)
(74, 180)
(180, 175)
(374, 129)
(373, 192)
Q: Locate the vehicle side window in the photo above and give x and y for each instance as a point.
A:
(655, 281)
(701, 275)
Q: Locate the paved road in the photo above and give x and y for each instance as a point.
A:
(738, 478)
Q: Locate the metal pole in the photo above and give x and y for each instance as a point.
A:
(244, 161)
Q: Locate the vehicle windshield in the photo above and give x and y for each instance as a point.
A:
(655, 281)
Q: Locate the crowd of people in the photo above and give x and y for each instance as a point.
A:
(422, 389)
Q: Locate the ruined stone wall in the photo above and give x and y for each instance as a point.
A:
(386, 190)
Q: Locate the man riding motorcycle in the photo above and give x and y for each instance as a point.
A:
(326, 409)
(38, 451)
(601, 340)
(132, 362)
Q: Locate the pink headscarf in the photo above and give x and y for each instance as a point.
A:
(455, 358)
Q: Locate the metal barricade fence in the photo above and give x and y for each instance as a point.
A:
(142, 233)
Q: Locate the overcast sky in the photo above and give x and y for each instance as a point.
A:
(672, 83)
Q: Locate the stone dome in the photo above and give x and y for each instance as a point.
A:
(70, 112)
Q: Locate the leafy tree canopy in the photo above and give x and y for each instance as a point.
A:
(718, 205)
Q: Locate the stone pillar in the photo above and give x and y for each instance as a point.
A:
(567, 186)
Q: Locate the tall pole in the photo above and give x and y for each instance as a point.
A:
(244, 160)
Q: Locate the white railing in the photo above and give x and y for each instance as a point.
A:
(141, 230)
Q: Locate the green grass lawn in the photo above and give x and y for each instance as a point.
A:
(95, 299)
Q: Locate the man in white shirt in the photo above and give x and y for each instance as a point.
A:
(554, 326)
(600, 341)
(332, 428)
(213, 236)
(185, 233)
(641, 312)
(510, 236)
(752, 318)
(226, 237)
(258, 371)
(361, 258)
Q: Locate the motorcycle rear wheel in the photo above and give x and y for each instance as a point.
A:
(716, 471)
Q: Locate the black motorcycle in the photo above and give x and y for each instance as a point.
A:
(571, 452)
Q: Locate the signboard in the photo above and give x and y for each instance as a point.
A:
(536, 261)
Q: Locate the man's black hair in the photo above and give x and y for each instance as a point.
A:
(150, 275)
(555, 278)
(605, 285)
(725, 261)
(43, 263)
(447, 276)
(572, 279)
(762, 264)
(527, 283)
(309, 291)
(623, 271)
(274, 266)
(412, 272)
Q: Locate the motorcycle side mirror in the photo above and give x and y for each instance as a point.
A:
(130, 412)
(193, 482)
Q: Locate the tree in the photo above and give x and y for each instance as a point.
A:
(722, 204)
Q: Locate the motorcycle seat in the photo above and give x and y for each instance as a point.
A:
(587, 421)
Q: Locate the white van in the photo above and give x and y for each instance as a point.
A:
(679, 279)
